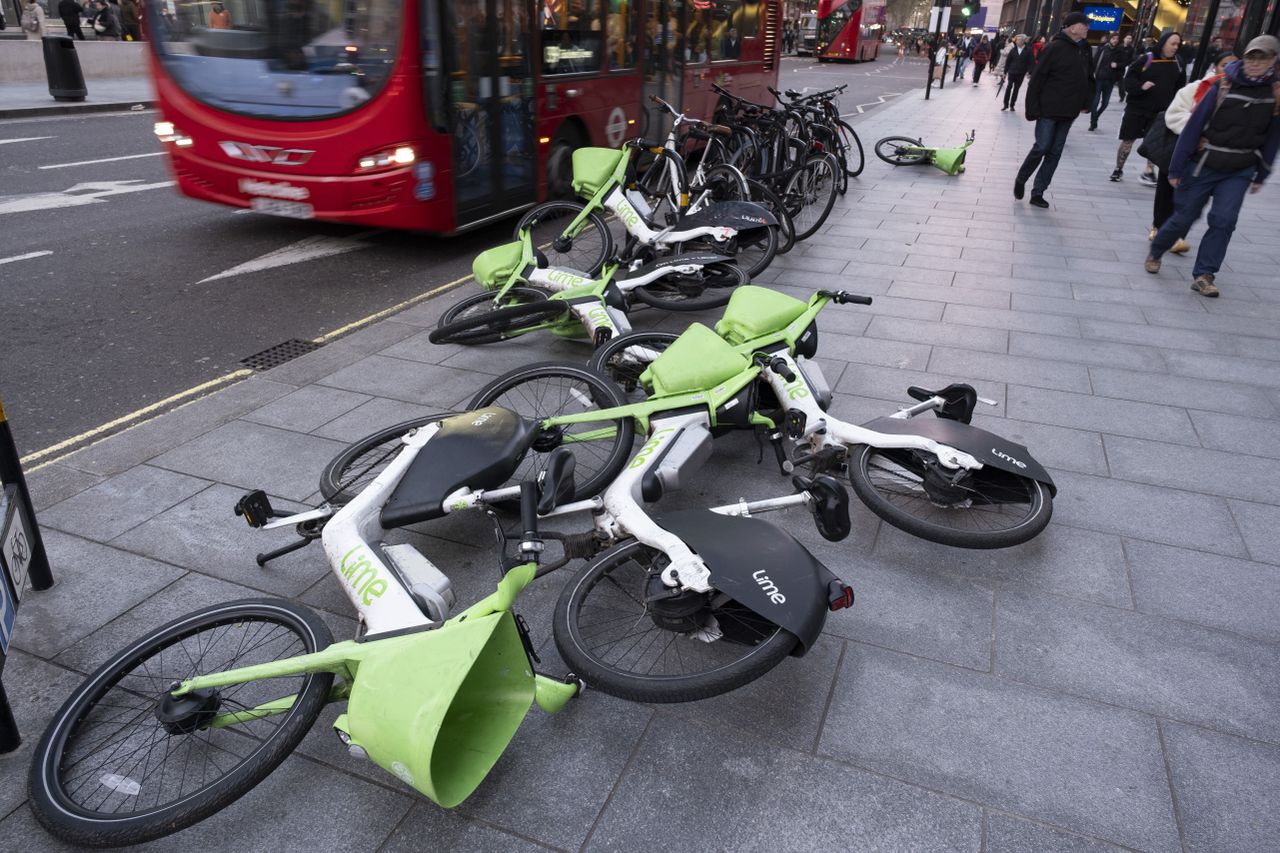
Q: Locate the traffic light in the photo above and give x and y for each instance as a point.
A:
(970, 8)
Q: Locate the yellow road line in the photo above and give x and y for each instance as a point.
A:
(221, 380)
(132, 416)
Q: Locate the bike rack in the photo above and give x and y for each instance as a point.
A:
(22, 559)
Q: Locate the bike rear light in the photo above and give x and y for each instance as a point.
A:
(387, 158)
(839, 596)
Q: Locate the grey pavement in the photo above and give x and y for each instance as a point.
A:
(1113, 684)
(107, 94)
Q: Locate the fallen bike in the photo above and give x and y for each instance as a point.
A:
(905, 151)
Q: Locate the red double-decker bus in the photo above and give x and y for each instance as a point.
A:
(433, 115)
(850, 30)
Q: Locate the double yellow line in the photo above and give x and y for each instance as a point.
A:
(138, 416)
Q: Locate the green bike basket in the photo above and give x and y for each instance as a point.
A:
(593, 168)
(494, 267)
(756, 311)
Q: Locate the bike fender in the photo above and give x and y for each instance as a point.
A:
(739, 215)
(987, 447)
(759, 565)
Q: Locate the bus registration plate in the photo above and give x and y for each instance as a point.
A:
(277, 207)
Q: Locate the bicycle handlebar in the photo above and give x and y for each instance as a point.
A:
(841, 297)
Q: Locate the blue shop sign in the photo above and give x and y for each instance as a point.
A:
(1103, 17)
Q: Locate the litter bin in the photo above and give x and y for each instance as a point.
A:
(62, 67)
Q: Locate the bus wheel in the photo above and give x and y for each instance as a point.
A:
(560, 165)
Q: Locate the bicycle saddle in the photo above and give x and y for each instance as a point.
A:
(480, 450)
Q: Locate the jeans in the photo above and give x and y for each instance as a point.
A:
(1051, 137)
(1162, 209)
(961, 62)
(1011, 87)
(1101, 98)
(1227, 190)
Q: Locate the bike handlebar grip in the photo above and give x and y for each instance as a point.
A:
(856, 299)
(529, 509)
(779, 366)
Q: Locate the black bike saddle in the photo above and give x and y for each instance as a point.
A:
(960, 400)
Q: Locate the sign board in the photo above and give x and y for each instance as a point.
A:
(15, 541)
(933, 19)
(11, 525)
(1105, 18)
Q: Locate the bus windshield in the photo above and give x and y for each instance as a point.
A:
(300, 59)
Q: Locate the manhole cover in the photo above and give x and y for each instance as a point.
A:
(279, 354)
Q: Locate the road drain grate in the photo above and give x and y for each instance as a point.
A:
(279, 354)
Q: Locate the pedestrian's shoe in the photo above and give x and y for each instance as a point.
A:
(1018, 189)
(1148, 179)
(1152, 235)
(1152, 265)
(1116, 175)
(1181, 247)
(1204, 285)
(1093, 127)
(1038, 201)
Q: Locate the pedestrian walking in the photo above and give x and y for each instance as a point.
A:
(33, 21)
(1164, 133)
(981, 55)
(1017, 64)
(1036, 48)
(106, 23)
(1226, 149)
(1124, 56)
(219, 18)
(131, 20)
(1060, 89)
(1106, 68)
(1152, 81)
(963, 49)
(70, 12)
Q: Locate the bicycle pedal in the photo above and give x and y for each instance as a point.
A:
(522, 627)
(794, 423)
(256, 508)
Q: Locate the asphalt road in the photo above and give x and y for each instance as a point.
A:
(116, 292)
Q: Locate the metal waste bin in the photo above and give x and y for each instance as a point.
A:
(62, 67)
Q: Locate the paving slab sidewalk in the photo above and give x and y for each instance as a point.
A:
(1113, 684)
(107, 94)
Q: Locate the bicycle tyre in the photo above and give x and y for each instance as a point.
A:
(53, 770)
(480, 303)
(592, 652)
(786, 228)
(853, 147)
(541, 391)
(890, 150)
(585, 252)
(710, 287)
(754, 249)
(622, 359)
(509, 321)
(361, 461)
(899, 476)
(815, 193)
(726, 183)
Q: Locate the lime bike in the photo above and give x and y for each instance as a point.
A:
(905, 151)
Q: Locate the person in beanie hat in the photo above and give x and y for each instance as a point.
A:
(1061, 88)
(1226, 149)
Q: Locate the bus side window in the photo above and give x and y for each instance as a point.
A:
(621, 27)
(571, 36)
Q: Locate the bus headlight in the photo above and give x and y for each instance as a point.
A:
(166, 132)
(387, 158)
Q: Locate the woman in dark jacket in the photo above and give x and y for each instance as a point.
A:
(1124, 58)
(981, 56)
(106, 16)
(1152, 81)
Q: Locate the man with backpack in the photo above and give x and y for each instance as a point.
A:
(1061, 88)
(1226, 149)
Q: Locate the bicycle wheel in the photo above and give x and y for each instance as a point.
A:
(987, 508)
(855, 162)
(617, 628)
(547, 390)
(761, 194)
(709, 287)
(108, 772)
(725, 183)
(585, 250)
(483, 303)
(901, 151)
(755, 249)
(810, 194)
(624, 358)
(359, 464)
(496, 323)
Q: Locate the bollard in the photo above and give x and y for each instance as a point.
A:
(62, 67)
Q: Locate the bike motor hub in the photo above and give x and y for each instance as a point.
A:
(190, 712)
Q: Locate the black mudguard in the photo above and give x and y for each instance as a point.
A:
(760, 566)
(987, 447)
(740, 215)
(700, 258)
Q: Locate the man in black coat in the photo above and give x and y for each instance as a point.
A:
(70, 12)
(1060, 89)
(1124, 55)
(1017, 63)
(1106, 69)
